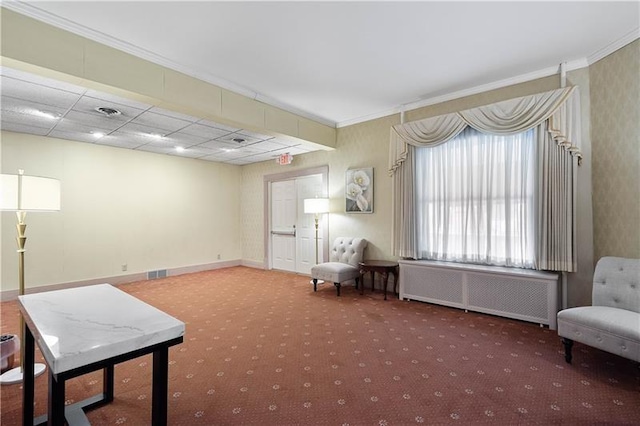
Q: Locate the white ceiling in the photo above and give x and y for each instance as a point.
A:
(343, 62)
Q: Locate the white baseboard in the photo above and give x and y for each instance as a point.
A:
(121, 279)
(252, 264)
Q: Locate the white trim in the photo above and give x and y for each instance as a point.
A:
(48, 18)
(546, 72)
(252, 264)
(607, 50)
(121, 279)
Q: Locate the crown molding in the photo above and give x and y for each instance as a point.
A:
(97, 36)
(609, 49)
(56, 21)
(545, 72)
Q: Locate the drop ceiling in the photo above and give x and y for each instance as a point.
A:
(338, 63)
(42, 106)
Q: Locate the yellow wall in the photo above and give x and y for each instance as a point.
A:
(615, 121)
(149, 211)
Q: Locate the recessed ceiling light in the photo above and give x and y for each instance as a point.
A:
(228, 149)
(45, 114)
(156, 136)
(180, 148)
(97, 135)
(109, 112)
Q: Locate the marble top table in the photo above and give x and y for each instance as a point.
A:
(84, 329)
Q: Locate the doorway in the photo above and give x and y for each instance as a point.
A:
(290, 243)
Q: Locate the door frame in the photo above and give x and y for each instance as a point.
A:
(267, 180)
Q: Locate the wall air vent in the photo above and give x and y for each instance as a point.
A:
(161, 273)
(109, 112)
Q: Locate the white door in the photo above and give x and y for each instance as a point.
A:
(293, 243)
(308, 187)
(283, 225)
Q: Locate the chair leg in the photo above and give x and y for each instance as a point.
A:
(568, 344)
(315, 284)
(337, 287)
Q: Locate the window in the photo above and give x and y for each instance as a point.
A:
(475, 199)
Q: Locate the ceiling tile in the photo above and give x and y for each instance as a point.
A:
(37, 93)
(218, 125)
(24, 106)
(88, 105)
(254, 135)
(28, 120)
(23, 93)
(118, 140)
(133, 137)
(97, 122)
(185, 140)
(204, 131)
(173, 114)
(43, 81)
(267, 146)
(73, 136)
(139, 129)
(161, 122)
(248, 140)
(216, 144)
(23, 128)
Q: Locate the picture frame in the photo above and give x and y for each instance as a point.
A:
(358, 190)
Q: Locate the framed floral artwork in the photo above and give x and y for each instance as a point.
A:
(359, 190)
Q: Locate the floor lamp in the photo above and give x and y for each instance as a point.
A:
(24, 194)
(316, 206)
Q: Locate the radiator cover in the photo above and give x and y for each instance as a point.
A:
(509, 292)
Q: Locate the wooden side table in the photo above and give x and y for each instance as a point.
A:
(384, 268)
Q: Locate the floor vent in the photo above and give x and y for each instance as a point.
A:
(161, 273)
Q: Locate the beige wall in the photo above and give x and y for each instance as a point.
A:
(367, 144)
(119, 206)
(615, 126)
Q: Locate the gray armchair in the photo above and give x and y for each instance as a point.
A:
(612, 323)
(344, 257)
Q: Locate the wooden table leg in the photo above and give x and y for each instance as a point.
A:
(28, 386)
(160, 387)
(385, 275)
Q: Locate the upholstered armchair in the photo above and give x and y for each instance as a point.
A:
(612, 323)
(344, 257)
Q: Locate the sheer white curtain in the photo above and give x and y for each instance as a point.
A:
(475, 199)
(553, 115)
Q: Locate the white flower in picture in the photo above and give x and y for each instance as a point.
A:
(359, 190)
(361, 179)
(353, 191)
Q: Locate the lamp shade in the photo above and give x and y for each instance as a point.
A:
(316, 205)
(29, 193)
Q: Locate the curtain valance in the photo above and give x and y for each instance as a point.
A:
(560, 107)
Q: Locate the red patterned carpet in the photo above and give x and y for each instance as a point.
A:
(261, 348)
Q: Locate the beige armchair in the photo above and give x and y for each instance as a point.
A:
(344, 257)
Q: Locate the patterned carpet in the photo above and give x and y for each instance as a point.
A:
(261, 348)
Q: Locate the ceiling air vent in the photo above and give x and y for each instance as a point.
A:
(239, 140)
(109, 112)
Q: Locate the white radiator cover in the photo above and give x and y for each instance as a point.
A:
(522, 294)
